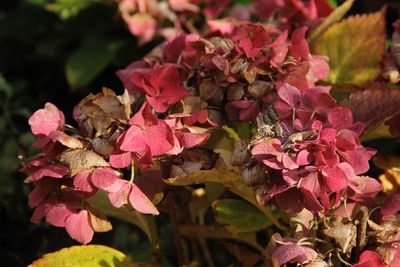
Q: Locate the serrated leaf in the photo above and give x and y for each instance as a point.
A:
(374, 106)
(335, 16)
(80, 160)
(92, 57)
(84, 256)
(126, 213)
(355, 47)
(239, 216)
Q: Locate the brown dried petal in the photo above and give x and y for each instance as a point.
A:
(344, 235)
(259, 88)
(235, 91)
(80, 160)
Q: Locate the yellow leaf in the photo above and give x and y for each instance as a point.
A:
(390, 180)
(84, 256)
(355, 47)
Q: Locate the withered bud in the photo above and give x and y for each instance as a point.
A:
(102, 146)
(239, 66)
(254, 175)
(224, 43)
(259, 88)
(207, 88)
(235, 91)
(240, 153)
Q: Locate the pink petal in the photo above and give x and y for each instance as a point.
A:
(46, 120)
(82, 182)
(120, 159)
(140, 201)
(79, 228)
(118, 193)
(290, 94)
(334, 178)
(189, 140)
(58, 214)
(369, 259)
(103, 177)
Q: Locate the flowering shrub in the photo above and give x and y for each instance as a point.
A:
(246, 105)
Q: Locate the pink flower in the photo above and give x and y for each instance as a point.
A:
(44, 121)
(122, 192)
(147, 132)
(251, 39)
(162, 86)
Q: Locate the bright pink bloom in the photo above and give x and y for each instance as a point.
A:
(147, 131)
(251, 39)
(162, 86)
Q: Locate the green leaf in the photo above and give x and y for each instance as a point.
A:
(84, 256)
(215, 232)
(66, 9)
(126, 213)
(355, 47)
(239, 216)
(333, 3)
(335, 16)
(231, 180)
(90, 59)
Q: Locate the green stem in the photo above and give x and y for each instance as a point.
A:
(231, 133)
(268, 213)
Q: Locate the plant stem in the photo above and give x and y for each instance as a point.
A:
(268, 213)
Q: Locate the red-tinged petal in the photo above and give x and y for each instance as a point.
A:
(364, 188)
(82, 182)
(79, 228)
(340, 118)
(55, 171)
(143, 159)
(279, 49)
(65, 139)
(189, 140)
(141, 25)
(319, 69)
(265, 8)
(391, 205)
(290, 201)
(358, 159)
(290, 94)
(159, 139)
(103, 177)
(164, 75)
(144, 116)
(294, 254)
(310, 201)
(334, 179)
(299, 49)
(304, 157)
(159, 104)
(140, 201)
(133, 140)
(118, 193)
(46, 120)
(369, 258)
(120, 159)
(289, 162)
(58, 214)
(272, 147)
(39, 213)
(324, 8)
(38, 195)
(171, 94)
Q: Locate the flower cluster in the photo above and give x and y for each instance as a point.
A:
(73, 167)
(312, 152)
(148, 19)
(305, 152)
